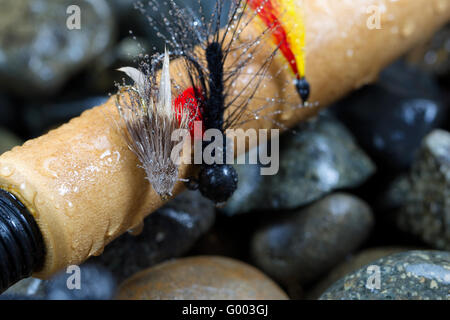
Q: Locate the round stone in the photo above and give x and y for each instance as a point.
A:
(302, 246)
(198, 278)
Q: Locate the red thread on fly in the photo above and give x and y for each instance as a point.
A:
(269, 14)
(190, 101)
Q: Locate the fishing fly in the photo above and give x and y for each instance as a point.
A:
(218, 58)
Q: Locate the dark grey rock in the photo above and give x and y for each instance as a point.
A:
(39, 118)
(96, 283)
(321, 157)
(39, 53)
(29, 288)
(167, 233)
(395, 196)
(411, 275)
(390, 118)
(305, 244)
(426, 211)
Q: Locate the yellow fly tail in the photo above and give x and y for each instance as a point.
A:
(294, 21)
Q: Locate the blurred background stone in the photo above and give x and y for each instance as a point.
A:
(40, 118)
(96, 283)
(320, 157)
(426, 211)
(40, 53)
(412, 275)
(304, 245)
(391, 117)
(29, 288)
(201, 278)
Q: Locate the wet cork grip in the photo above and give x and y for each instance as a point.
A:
(82, 183)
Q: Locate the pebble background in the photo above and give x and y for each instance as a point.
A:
(365, 186)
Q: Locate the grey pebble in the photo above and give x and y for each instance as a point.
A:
(426, 209)
(411, 275)
(304, 245)
(39, 51)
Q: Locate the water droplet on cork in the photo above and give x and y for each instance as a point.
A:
(441, 6)
(112, 230)
(38, 201)
(69, 209)
(6, 171)
(408, 29)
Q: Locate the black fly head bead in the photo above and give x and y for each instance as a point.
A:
(218, 182)
(303, 88)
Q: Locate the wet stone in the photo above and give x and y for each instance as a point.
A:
(390, 118)
(95, 283)
(167, 233)
(426, 209)
(201, 278)
(396, 193)
(39, 53)
(320, 157)
(305, 244)
(351, 264)
(28, 289)
(412, 275)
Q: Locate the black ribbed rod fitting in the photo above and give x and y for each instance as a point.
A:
(22, 248)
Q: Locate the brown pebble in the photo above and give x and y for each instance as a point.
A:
(198, 278)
